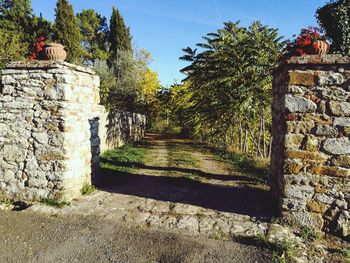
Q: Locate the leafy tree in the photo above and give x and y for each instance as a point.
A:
(11, 47)
(94, 31)
(66, 30)
(334, 18)
(119, 37)
(230, 82)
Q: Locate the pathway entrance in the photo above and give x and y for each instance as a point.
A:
(179, 187)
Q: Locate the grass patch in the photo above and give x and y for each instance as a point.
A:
(54, 203)
(193, 177)
(87, 189)
(309, 234)
(123, 159)
(178, 157)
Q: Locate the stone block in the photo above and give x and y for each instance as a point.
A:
(326, 130)
(342, 121)
(300, 78)
(304, 219)
(299, 104)
(329, 79)
(317, 207)
(337, 146)
(306, 155)
(341, 109)
(292, 166)
(303, 127)
(343, 161)
(293, 141)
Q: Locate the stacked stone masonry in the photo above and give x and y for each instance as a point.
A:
(52, 130)
(310, 165)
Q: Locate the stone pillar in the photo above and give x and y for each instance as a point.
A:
(49, 121)
(310, 165)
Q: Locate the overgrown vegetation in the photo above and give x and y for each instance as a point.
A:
(54, 203)
(87, 189)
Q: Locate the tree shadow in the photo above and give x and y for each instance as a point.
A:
(243, 200)
(222, 177)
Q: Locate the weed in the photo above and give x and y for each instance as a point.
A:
(309, 234)
(87, 189)
(281, 249)
(54, 203)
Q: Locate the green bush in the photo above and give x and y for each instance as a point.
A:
(334, 18)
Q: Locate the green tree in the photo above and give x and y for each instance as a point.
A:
(119, 37)
(334, 18)
(94, 31)
(230, 83)
(66, 30)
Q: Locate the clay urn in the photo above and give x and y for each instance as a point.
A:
(55, 51)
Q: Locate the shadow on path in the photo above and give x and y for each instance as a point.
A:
(240, 199)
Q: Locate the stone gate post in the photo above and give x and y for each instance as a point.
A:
(310, 165)
(49, 121)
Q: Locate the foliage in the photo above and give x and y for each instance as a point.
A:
(305, 42)
(94, 31)
(11, 47)
(225, 98)
(119, 38)
(334, 18)
(309, 234)
(127, 93)
(108, 81)
(66, 30)
(281, 249)
(18, 29)
(87, 189)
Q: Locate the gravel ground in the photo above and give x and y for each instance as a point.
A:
(29, 237)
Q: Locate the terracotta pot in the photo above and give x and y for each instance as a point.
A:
(55, 51)
(322, 48)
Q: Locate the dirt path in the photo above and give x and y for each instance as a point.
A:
(178, 199)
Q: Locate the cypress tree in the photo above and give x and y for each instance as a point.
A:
(119, 37)
(66, 30)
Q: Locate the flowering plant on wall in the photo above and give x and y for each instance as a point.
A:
(310, 41)
(37, 50)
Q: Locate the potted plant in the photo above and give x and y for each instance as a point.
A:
(308, 42)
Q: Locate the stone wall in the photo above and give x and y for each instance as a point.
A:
(310, 165)
(119, 128)
(52, 130)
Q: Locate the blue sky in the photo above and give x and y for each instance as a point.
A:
(164, 27)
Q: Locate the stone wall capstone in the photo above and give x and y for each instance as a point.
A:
(52, 130)
(310, 163)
